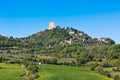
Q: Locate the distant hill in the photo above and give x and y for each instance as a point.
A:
(56, 36)
(51, 38)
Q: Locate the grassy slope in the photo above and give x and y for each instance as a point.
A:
(53, 72)
(10, 72)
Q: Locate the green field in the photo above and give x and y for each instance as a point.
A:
(50, 72)
(54, 72)
(10, 72)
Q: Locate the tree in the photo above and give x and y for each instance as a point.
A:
(54, 61)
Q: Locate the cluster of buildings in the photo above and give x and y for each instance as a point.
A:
(101, 39)
(79, 35)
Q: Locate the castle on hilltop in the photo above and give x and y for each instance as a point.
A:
(51, 26)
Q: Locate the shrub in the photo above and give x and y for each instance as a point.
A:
(94, 66)
(106, 73)
(33, 68)
(99, 69)
(116, 77)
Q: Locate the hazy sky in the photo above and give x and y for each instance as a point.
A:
(98, 18)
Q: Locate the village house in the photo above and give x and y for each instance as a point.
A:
(103, 40)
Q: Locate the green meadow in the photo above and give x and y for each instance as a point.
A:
(10, 72)
(50, 72)
(55, 72)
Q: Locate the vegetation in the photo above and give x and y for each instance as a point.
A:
(61, 46)
(10, 72)
(49, 72)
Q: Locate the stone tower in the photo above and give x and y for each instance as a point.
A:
(51, 25)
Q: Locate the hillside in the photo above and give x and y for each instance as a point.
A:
(62, 46)
(56, 40)
(52, 37)
(59, 35)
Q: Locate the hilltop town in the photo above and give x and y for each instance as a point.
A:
(78, 36)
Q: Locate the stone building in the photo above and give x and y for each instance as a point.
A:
(51, 25)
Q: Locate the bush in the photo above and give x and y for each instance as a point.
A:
(94, 66)
(54, 61)
(105, 64)
(106, 73)
(99, 69)
(116, 77)
(117, 69)
(33, 68)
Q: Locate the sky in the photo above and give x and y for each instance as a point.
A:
(98, 18)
